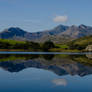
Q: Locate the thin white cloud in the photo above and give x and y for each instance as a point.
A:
(60, 82)
(60, 19)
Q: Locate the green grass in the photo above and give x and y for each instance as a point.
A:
(13, 42)
(62, 46)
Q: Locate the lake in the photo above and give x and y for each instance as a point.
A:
(45, 72)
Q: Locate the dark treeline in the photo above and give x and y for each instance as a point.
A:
(28, 45)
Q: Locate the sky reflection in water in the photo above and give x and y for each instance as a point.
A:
(48, 73)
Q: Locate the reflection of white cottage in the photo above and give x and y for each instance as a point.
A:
(89, 48)
(89, 56)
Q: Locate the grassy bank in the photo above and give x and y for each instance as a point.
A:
(78, 45)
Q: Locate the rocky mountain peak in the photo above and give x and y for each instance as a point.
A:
(57, 34)
(60, 27)
(82, 26)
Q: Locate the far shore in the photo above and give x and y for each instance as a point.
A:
(51, 50)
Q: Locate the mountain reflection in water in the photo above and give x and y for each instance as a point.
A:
(59, 64)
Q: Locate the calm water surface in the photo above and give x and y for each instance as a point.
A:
(45, 72)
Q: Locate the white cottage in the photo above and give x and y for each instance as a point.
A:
(89, 48)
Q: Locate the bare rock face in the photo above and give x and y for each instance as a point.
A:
(89, 48)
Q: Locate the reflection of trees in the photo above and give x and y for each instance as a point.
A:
(48, 57)
(4, 57)
(83, 59)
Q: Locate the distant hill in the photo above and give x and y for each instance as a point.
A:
(58, 34)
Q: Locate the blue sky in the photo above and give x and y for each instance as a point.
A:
(38, 15)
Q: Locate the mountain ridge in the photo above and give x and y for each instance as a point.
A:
(60, 33)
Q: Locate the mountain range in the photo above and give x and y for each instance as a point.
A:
(61, 33)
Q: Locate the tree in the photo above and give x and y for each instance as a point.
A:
(20, 46)
(5, 45)
(32, 45)
(48, 45)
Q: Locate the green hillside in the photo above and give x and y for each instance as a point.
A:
(80, 43)
(12, 42)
